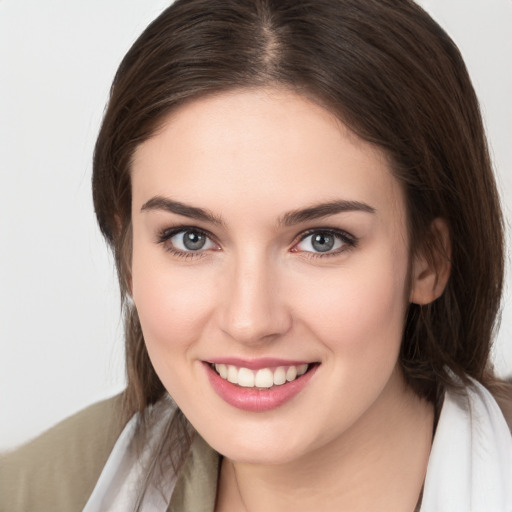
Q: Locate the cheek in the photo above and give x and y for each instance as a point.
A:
(172, 303)
(360, 310)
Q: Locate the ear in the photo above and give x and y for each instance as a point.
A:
(431, 265)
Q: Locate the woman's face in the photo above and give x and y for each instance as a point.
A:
(270, 240)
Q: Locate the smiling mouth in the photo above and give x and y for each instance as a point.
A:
(264, 378)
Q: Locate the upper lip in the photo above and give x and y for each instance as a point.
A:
(257, 364)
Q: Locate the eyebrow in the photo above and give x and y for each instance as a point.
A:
(193, 212)
(324, 210)
(288, 219)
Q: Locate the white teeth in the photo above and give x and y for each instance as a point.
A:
(291, 373)
(222, 370)
(301, 370)
(262, 378)
(279, 376)
(246, 378)
(233, 374)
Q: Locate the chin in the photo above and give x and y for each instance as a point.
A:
(267, 448)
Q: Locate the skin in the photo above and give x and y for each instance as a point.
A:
(355, 437)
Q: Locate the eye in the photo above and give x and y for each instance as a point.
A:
(187, 241)
(326, 242)
(191, 241)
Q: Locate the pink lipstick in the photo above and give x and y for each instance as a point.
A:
(248, 384)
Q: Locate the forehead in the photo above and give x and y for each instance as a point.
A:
(271, 147)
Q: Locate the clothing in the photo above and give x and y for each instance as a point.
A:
(59, 470)
(470, 463)
(124, 479)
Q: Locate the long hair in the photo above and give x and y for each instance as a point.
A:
(395, 78)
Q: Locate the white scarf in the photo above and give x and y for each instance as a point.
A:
(124, 477)
(469, 469)
(470, 464)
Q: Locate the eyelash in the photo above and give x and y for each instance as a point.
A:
(348, 241)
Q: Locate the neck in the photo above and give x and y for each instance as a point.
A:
(379, 464)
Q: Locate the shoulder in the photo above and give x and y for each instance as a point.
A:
(58, 469)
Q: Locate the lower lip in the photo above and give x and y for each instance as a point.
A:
(257, 400)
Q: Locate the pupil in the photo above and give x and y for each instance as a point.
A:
(323, 242)
(193, 240)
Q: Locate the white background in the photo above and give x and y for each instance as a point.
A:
(60, 335)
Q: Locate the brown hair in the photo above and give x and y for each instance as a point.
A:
(396, 79)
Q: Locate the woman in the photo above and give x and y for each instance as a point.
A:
(310, 251)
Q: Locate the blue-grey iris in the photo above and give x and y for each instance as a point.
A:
(322, 242)
(193, 240)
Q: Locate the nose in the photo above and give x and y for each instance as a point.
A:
(254, 310)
